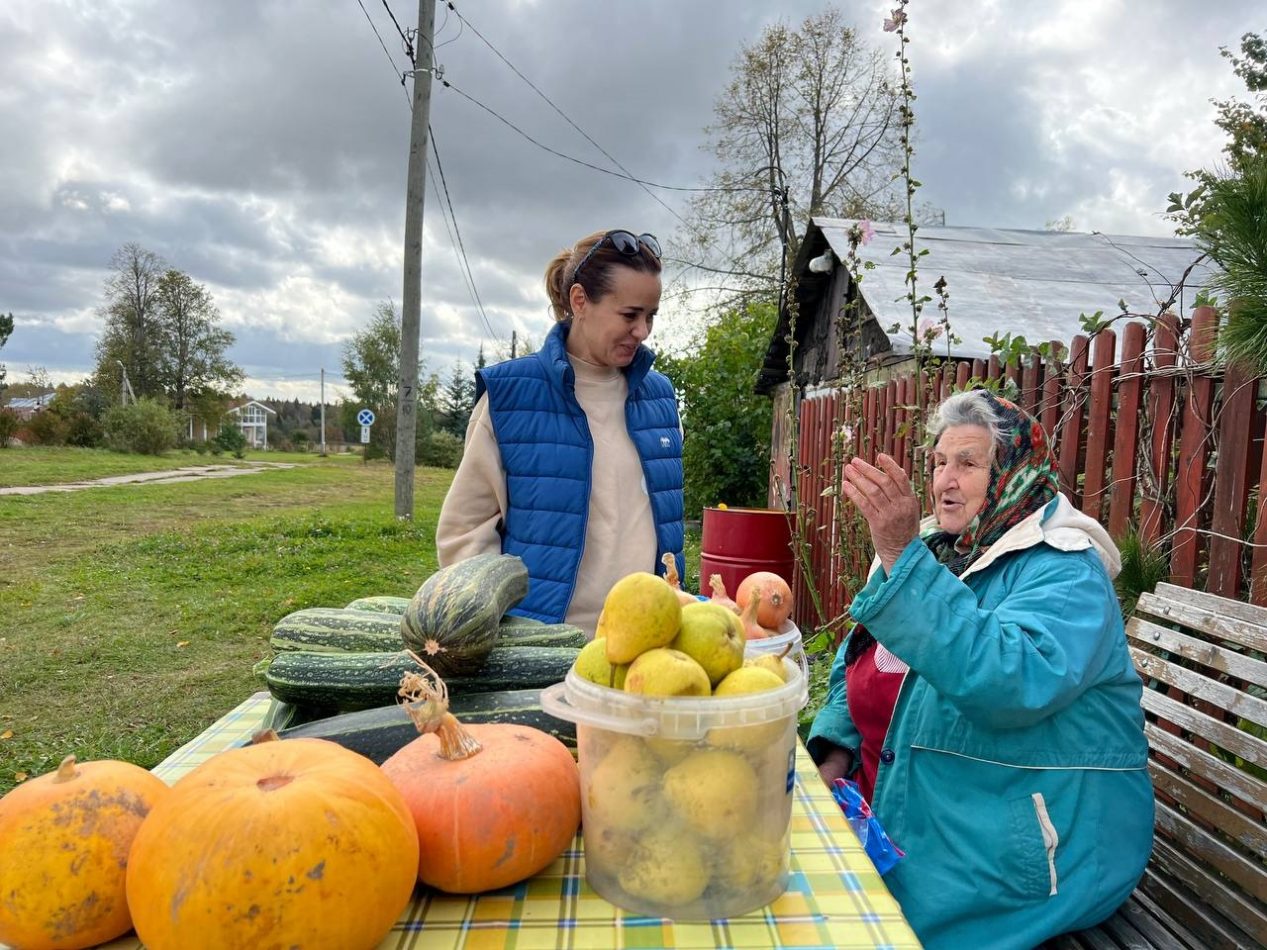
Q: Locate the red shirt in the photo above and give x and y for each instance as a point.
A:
(871, 687)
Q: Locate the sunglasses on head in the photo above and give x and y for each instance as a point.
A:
(625, 242)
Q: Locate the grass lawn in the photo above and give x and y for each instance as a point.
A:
(130, 617)
(41, 465)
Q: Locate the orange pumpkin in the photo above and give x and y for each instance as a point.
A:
(279, 844)
(64, 841)
(493, 803)
(776, 597)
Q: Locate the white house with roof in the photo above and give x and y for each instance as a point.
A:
(24, 407)
(252, 419)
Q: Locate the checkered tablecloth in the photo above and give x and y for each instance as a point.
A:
(834, 897)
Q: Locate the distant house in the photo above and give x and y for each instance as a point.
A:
(25, 407)
(252, 419)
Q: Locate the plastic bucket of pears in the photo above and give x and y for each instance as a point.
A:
(786, 641)
(686, 801)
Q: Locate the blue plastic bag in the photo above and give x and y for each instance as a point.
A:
(884, 854)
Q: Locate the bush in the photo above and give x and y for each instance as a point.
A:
(47, 428)
(146, 427)
(83, 430)
(230, 439)
(9, 425)
(440, 449)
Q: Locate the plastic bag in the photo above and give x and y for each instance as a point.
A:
(884, 854)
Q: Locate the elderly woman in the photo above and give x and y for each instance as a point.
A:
(985, 701)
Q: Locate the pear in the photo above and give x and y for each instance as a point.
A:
(749, 862)
(713, 637)
(769, 661)
(666, 672)
(666, 868)
(591, 664)
(713, 792)
(748, 679)
(641, 612)
(755, 737)
(622, 791)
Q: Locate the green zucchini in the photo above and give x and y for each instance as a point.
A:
(384, 604)
(453, 618)
(350, 681)
(378, 733)
(514, 632)
(337, 630)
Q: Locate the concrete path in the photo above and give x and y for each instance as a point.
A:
(191, 473)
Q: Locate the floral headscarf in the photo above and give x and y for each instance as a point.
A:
(1021, 482)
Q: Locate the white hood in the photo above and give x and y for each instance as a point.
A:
(1065, 529)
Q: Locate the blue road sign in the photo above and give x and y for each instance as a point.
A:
(365, 417)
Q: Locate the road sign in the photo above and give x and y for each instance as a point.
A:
(366, 418)
(365, 435)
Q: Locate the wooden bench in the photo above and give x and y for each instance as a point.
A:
(1202, 659)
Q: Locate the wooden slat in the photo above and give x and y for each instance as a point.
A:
(1258, 565)
(1049, 408)
(1215, 657)
(1196, 846)
(1161, 930)
(1206, 613)
(1226, 737)
(1031, 382)
(1161, 410)
(1240, 827)
(1126, 434)
(1070, 436)
(1194, 450)
(1099, 424)
(1203, 687)
(963, 373)
(1199, 901)
(1123, 932)
(1228, 517)
(1222, 774)
(1174, 898)
(1219, 605)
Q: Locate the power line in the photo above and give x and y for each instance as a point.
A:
(386, 52)
(409, 47)
(531, 85)
(579, 161)
(456, 230)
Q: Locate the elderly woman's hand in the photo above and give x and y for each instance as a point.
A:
(884, 497)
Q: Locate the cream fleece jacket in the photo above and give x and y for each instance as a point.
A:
(620, 532)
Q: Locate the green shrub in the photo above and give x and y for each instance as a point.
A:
(440, 449)
(47, 427)
(230, 439)
(84, 430)
(146, 427)
(9, 425)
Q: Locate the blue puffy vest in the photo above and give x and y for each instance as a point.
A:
(547, 454)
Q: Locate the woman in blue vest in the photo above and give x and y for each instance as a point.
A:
(573, 456)
(986, 701)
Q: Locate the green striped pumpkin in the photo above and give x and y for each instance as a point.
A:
(337, 630)
(381, 603)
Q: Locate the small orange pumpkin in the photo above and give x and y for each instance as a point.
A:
(493, 803)
(279, 844)
(776, 597)
(64, 842)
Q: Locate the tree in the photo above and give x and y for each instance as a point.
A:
(191, 350)
(6, 328)
(808, 125)
(131, 334)
(457, 401)
(371, 365)
(726, 450)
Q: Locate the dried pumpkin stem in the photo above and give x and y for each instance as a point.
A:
(670, 571)
(427, 704)
(67, 770)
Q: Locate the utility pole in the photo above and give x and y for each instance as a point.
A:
(411, 303)
(323, 412)
(514, 338)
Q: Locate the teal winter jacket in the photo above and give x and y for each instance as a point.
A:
(1014, 771)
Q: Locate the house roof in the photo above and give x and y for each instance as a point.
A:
(1035, 284)
(31, 402)
(253, 403)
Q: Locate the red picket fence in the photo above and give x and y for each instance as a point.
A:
(1152, 437)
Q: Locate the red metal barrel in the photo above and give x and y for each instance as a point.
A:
(734, 542)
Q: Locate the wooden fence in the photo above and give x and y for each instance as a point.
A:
(1152, 437)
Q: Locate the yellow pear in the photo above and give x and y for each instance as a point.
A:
(622, 791)
(591, 664)
(749, 862)
(641, 612)
(769, 661)
(757, 736)
(666, 868)
(713, 792)
(713, 637)
(666, 672)
(748, 679)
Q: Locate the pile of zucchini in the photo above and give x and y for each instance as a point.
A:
(343, 666)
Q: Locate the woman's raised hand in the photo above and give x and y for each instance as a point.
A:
(885, 498)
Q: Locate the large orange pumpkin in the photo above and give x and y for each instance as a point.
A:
(64, 841)
(776, 597)
(280, 844)
(494, 803)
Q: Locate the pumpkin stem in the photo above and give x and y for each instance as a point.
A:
(670, 571)
(67, 772)
(427, 703)
(265, 735)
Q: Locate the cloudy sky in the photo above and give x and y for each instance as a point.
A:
(260, 146)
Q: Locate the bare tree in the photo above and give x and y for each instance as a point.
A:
(130, 314)
(806, 126)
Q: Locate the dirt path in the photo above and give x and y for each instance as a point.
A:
(191, 473)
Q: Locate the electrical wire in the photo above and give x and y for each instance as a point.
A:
(459, 247)
(386, 52)
(409, 47)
